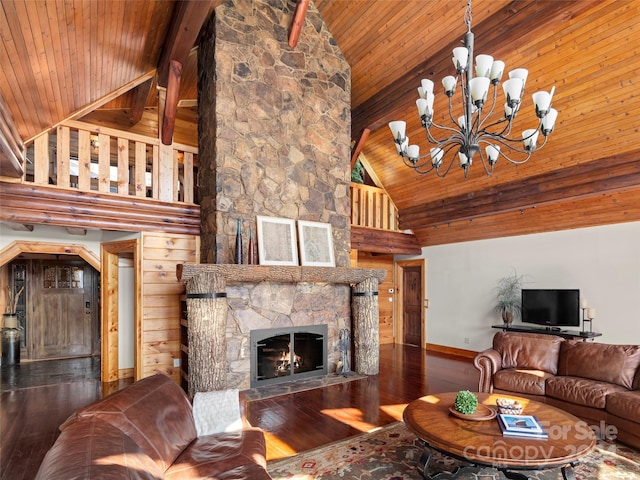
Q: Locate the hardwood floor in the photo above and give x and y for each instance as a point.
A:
(29, 417)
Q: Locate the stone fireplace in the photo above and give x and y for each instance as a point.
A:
(225, 303)
(274, 130)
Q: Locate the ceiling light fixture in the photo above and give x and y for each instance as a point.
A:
(474, 128)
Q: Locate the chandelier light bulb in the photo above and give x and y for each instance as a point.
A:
(497, 69)
(493, 152)
(479, 88)
(425, 87)
(483, 65)
(476, 101)
(425, 105)
(449, 84)
(549, 121)
(530, 139)
(521, 73)
(413, 152)
(512, 91)
(436, 156)
(460, 58)
(398, 129)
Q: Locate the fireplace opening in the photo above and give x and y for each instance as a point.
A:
(286, 354)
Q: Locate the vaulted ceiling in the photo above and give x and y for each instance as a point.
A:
(98, 61)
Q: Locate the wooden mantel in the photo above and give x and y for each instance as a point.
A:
(280, 274)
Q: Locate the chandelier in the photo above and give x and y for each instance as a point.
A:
(474, 129)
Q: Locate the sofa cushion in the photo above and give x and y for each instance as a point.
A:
(529, 351)
(625, 405)
(154, 412)
(531, 382)
(599, 361)
(91, 448)
(581, 391)
(230, 455)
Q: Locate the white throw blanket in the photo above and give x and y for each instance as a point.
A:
(218, 411)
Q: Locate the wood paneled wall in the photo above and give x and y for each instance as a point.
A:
(161, 290)
(385, 310)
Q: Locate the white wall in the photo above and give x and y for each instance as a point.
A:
(126, 324)
(603, 262)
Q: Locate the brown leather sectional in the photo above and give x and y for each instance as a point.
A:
(597, 382)
(147, 431)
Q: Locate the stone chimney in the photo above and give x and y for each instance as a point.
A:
(274, 125)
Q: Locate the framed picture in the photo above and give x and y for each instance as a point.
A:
(277, 243)
(316, 244)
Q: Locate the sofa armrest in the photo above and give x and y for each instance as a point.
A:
(488, 362)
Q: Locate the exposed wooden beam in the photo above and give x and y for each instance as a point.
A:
(43, 205)
(614, 174)
(188, 19)
(374, 240)
(171, 102)
(359, 147)
(298, 22)
(139, 101)
(98, 103)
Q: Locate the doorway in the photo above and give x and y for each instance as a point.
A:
(111, 254)
(58, 308)
(410, 304)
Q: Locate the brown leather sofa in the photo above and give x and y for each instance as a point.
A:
(597, 382)
(147, 431)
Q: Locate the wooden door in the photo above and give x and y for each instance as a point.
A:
(64, 309)
(412, 306)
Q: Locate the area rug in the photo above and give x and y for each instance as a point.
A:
(392, 452)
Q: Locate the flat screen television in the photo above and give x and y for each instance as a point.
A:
(551, 307)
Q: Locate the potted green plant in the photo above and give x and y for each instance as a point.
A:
(466, 402)
(508, 297)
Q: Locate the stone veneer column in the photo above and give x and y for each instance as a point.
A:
(274, 125)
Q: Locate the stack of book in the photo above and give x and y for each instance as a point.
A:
(526, 426)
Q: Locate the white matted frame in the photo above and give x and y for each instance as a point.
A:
(277, 243)
(316, 244)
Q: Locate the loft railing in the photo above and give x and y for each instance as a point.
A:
(372, 207)
(84, 157)
(87, 158)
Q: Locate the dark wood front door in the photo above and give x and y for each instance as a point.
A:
(412, 305)
(62, 313)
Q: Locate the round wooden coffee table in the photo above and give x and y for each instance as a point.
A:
(480, 443)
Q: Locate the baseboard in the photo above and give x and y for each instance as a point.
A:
(458, 352)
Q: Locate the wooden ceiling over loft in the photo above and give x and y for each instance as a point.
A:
(61, 60)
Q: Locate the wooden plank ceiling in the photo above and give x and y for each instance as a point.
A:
(60, 60)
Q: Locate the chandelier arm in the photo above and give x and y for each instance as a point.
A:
(451, 162)
(417, 164)
(514, 149)
(493, 104)
(487, 170)
(505, 131)
(456, 135)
